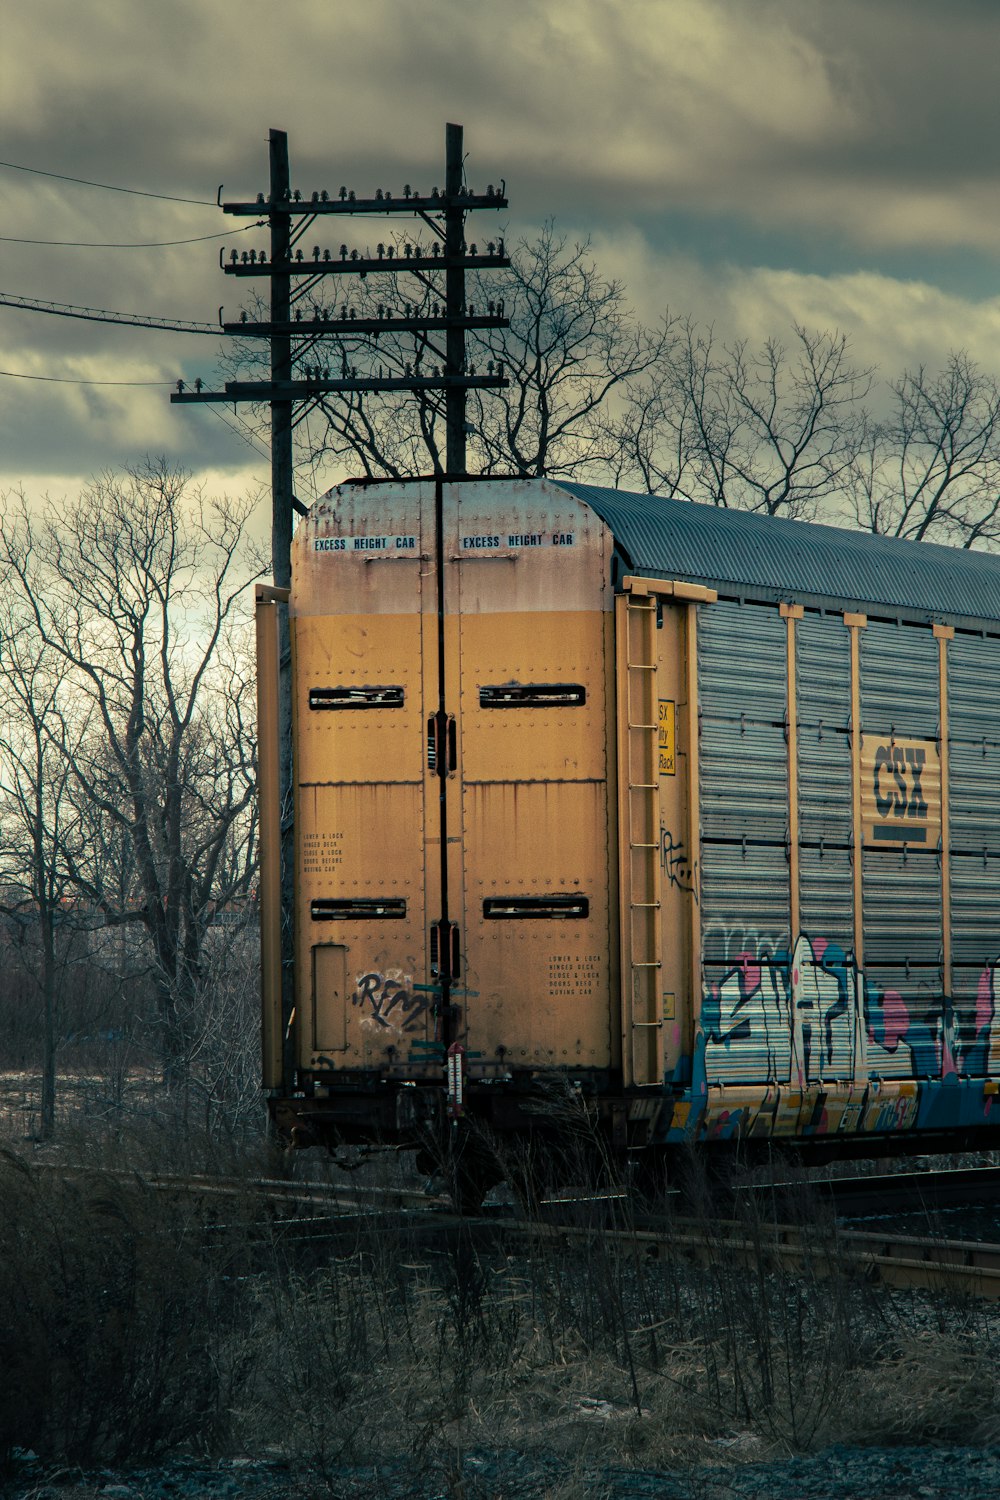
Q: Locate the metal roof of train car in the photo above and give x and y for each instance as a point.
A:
(762, 557)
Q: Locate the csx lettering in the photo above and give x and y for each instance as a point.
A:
(897, 777)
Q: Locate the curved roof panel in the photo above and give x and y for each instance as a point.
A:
(762, 557)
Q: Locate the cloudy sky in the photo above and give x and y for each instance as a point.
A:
(750, 162)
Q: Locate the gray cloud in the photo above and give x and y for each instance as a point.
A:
(872, 125)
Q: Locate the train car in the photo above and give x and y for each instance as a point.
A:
(691, 813)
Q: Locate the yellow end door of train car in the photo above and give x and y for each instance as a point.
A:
(529, 667)
(364, 641)
(454, 668)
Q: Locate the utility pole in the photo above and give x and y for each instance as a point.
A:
(292, 390)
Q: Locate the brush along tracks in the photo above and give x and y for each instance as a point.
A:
(964, 1267)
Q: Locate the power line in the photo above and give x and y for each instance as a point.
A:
(104, 315)
(67, 380)
(109, 187)
(10, 239)
(251, 441)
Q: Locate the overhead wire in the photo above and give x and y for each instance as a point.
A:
(11, 239)
(105, 315)
(108, 187)
(69, 380)
(235, 426)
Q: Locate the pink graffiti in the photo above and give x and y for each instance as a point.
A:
(895, 1021)
(750, 966)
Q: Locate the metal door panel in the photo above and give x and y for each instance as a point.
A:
(358, 849)
(360, 602)
(527, 606)
(366, 659)
(538, 985)
(513, 663)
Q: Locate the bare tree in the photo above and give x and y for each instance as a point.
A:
(769, 429)
(40, 829)
(135, 588)
(930, 470)
(572, 345)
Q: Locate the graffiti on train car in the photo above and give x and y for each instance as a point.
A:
(388, 1001)
(812, 1015)
(675, 864)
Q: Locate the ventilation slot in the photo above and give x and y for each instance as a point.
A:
(356, 697)
(533, 695)
(325, 910)
(507, 907)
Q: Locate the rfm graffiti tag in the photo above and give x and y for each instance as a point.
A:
(393, 1004)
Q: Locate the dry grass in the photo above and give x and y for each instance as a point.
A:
(130, 1328)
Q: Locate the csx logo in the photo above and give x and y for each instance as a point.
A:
(897, 781)
(900, 791)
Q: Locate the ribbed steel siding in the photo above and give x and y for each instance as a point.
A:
(975, 898)
(973, 683)
(974, 788)
(902, 907)
(823, 701)
(826, 894)
(899, 681)
(823, 697)
(900, 695)
(745, 897)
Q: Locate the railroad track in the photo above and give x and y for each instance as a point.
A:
(891, 1192)
(328, 1214)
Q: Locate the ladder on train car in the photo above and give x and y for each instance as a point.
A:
(639, 841)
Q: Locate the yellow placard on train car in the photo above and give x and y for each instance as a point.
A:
(900, 792)
(668, 738)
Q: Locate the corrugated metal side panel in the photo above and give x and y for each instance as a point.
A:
(741, 662)
(826, 895)
(744, 900)
(745, 895)
(975, 909)
(824, 786)
(744, 781)
(974, 790)
(743, 778)
(823, 677)
(823, 700)
(902, 907)
(899, 681)
(973, 714)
